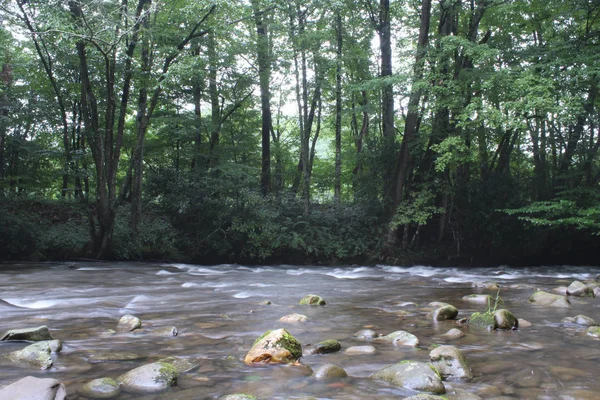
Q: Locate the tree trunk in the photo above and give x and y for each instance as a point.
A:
(338, 112)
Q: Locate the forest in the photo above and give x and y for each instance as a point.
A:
(323, 132)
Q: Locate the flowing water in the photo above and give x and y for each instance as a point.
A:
(218, 313)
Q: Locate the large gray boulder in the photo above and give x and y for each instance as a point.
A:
(37, 354)
(30, 388)
(400, 338)
(412, 375)
(312, 300)
(277, 346)
(580, 289)
(548, 299)
(450, 362)
(149, 378)
(29, 334)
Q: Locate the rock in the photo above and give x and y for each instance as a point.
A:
(438, 304)
(30, 388)
(29, 334)
(366, 334)
(400, 338)
(148, 378)
(450, 362)
(238, 396)
(460, 394)
(330, 372)
(277, 346)
(453, 334)
(360, 350)
(56, 346)
(445, 313)
(412, 375)
(102, 388)
(313, 300)
(482, 320)
(580, 289)
(110, 357)
(477, 298)
(523, 323)
(293, 318)
(580, 320)
(182, 365)
(327, 346)
(504, 319)
(425, 396)
(265, 303)
(593, 331)
(548, 299)
(486, 285)
(597, 291)
(129, 323)
(37, 354)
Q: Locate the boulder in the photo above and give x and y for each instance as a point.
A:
(505, 320)
(593, 331)
(29, 334)
(453, 334)
(330, 372)
(326, 347)
(277, 346)
(548, 299)
(412, 375)
(360, 350)
(486, 285)
(477, 298)
(445, 313)
(293, 318)
(580, 320)
(450, 362)
(149, 378)
(129, 323)
(313, 300)
(366, 334)
(580, 289)
(30, 388)
(400, 338)
(37, 354)
(102, 388)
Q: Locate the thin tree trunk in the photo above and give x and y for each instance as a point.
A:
(338, 112)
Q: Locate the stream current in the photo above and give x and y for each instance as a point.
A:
(218, 313)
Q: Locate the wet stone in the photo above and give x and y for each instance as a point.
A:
(400, 338)
(128, 323)
(329, 372)
(293, 318)
(31, 388)
(366, 334)
(354, 350)
(453, 333)
(313, 300)
(28, 334)
(102, 388)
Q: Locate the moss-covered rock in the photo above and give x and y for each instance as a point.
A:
(41, 333)
(548, 299)
(580, 289)
(413, 375)
(482, 320)
(102, 388)
(37, 354)
(277, 346)
(30, 388)
(450, 362)
(445, 313)
(153, 377)
(327, 346)
(313, 300)
(593, 331)
(329, 372)
(505, 320)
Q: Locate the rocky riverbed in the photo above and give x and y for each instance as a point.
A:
(187, 332)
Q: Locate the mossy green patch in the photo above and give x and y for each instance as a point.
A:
(482, 320)
(290, 343)
(261, 337)
(167, 373)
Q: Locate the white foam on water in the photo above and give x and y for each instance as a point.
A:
(164, 272)
(191, 285)
(243, 295)
(261, 284)
(354, 273)
(33, 304)
(204, 271)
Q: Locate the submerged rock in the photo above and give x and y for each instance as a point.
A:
(149, 378)
(293, 318)
(450, 362)
(360, 350)
(37, 354)
(330, 372)
(453, 333)
(486, 285)
(313, 300)
(580, 320)
(129, 323)
(477, 298)
(400, 338)
(28, 334)
(445, 313)
(593, 331)
(277, 346)
(412, 375)
(102, 388)
(548, 299)
(30, 388)
(580, 289)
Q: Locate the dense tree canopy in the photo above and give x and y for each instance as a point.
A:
(300, 131)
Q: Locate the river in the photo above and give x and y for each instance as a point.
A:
(218, 313)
